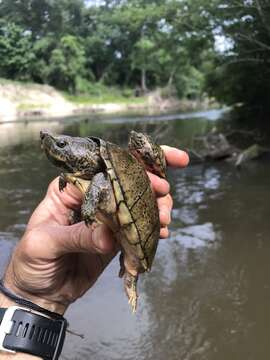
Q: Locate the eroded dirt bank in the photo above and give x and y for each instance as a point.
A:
(26, 101)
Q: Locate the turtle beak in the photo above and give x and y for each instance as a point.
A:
(43, 135)
(162, 174)
(158, 171)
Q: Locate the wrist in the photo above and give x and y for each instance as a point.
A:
(14, 286)
(6, 303)
(18, 356)
(29, 329)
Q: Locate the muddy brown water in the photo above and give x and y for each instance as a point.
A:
(208, 295)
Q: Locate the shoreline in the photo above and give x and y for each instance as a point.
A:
(21, 131)
(31, 102)
(99, 109)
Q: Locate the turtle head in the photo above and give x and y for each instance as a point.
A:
(146, 151)
(75, 155)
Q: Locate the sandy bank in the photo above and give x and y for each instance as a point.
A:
(29, 101)
(23, 100)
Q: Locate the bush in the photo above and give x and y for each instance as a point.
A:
(15, 52)
(128, 93)
(168, 92)
(189, 84)
(83, 86)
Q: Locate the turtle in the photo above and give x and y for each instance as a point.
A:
(117, 192)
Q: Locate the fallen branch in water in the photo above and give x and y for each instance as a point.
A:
(215, 146)
(252, 152)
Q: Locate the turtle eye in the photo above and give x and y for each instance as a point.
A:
(61, 143)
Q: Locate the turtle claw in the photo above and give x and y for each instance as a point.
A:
(130, 284)
(133, 302)
(88, 222)
(62, 182)
(88, 219)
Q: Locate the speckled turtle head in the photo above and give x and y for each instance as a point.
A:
(146, 151)
(75, 155)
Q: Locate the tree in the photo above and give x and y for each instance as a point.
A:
(243, 69)
(16, 52)
(41, 17)
(142, 56)
(67, 64)
(121, 42)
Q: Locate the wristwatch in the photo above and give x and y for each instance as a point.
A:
(29, 331)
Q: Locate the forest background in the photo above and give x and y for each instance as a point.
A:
(190, 48)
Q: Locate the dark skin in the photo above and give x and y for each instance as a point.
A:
(56, 263)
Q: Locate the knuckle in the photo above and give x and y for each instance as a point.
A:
(28, 245)
(78, 238)
(53, 185)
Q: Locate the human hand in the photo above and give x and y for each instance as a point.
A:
(55, 263)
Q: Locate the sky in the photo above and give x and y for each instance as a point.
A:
(93, 2)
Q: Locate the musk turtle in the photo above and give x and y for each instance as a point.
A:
(117, 192)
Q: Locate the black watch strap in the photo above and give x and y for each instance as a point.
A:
(24, 330)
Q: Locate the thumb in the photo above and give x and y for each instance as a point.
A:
(80, 238)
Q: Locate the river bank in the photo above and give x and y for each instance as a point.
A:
(19, 101)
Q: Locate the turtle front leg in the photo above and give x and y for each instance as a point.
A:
(75, 216)
(97, 196)
(74, 179)
(62, 182)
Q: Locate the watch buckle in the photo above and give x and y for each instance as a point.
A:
(6, 326)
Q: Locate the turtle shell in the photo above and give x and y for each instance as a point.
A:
(137, 211)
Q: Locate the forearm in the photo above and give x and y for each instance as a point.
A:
(5, 303)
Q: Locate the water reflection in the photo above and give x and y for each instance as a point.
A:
(13, 134)
(208, 294)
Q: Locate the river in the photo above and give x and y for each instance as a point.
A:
(208, 294)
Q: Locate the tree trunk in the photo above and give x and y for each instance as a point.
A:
(143, 81)
(170, 81)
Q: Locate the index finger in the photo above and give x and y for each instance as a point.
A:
(56, 206)
(175, 157)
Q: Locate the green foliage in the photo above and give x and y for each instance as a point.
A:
(83, 86)
(41, 17)
(42, 50)
(127, 93)
(189, 84)
(15, 51)
(125, 43)
(66, 66)
(99, 94)
(136, 44)
(242, 71)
